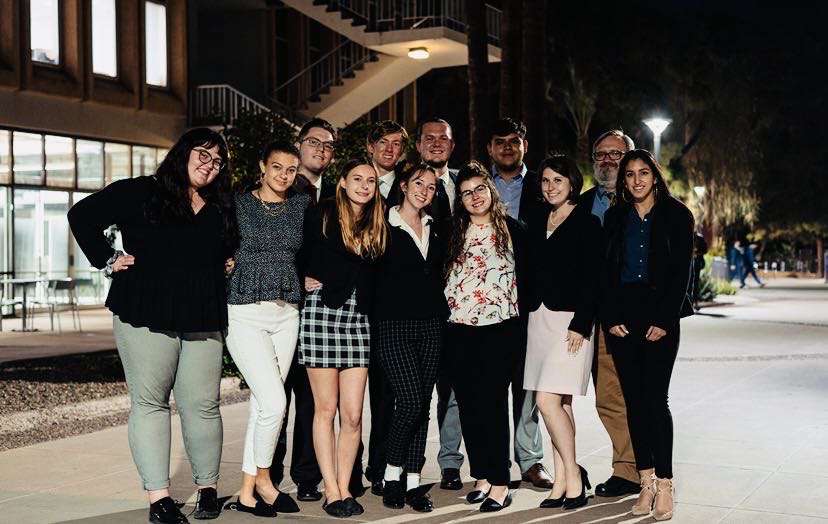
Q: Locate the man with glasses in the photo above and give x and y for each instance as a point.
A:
(316, 152)
(519, 190)
(607, 152)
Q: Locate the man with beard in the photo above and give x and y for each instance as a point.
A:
(519, 190)
(385, 144)
(607, 152)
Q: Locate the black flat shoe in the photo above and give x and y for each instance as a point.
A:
(580, 500)
(477, 496)
(336, 508)
(418, 501)
(490, 505)
(308, 493)
(393, 495)
(450, 479)
(353, 507)
(284, 503)
(617, 487)
(207, 505)
(376, 487)
(261, 509)
(552, 503)
(165, 511)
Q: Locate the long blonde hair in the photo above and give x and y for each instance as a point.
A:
(367, 234)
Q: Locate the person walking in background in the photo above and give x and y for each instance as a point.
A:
(607, 151)
(169, 306)
(264, 295)
(649, 252)
(344, 236)
(410, 311)
(737, 260)
(699, 250)
(485, 272)
(519, 190)
(563, 306)
(749, 265)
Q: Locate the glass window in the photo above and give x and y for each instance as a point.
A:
(143, 161)
(161, 154)
(4, 225)
(155, 34)
(44, 29)
(5, 156)
(116, 162)
(27, 149)
(91, 286)
(41, 233)
(90, 164)
(60, 161)
(104, 41)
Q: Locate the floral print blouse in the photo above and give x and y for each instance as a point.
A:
(481, 287)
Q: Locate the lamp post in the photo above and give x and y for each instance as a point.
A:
(657, 126)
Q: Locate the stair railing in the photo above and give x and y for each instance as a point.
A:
(220, 104)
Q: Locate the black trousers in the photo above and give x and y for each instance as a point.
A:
(382, 409)
(304, 469)
(480, 360)
(409, 351)
(644, 370)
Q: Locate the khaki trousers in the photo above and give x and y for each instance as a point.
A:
(609, 401)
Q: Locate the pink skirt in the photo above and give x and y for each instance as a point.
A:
(549, 367)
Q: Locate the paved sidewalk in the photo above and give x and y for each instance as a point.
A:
(96, 336)
(748, 400)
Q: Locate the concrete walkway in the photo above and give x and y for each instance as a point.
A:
(748, 400)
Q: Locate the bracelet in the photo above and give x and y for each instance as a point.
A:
(108, 270)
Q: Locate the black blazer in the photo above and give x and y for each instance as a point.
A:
(668, 266)
(531, 198)
(303, 184)
(565, 269)
(520, 244)
(409, 287)
(326, 259)
(587, 198)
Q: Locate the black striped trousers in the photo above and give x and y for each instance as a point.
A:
(409, 351)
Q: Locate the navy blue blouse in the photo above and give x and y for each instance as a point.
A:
(636, 248)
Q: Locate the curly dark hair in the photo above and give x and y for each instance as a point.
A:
(172, 204)
(461, 219)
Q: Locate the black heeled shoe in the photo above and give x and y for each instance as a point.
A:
(552, 503)
(477, 496)
(580, 500)
(490, 505)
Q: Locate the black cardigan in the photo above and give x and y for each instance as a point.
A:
(409, 287)
(669, 263)
(520, 241)
(325, 258)
(565, 269)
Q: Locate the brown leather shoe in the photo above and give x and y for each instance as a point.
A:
(537, 476)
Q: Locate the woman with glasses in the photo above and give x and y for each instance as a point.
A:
(567, 247)
(264, 295)
(344, 237)
(170, 308)
(649, 251)
(484, 282)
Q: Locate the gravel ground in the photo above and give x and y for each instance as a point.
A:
(51, 398)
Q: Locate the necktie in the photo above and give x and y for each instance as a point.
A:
(443, 210)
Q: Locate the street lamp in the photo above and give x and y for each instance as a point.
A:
(657, 126)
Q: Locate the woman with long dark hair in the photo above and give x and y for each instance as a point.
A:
(567, 246)
(344, 236)
(263, 310)
(649, 252)
(410, 310)
(169, 304)
(484, 283)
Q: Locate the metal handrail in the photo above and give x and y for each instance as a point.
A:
(222, 103)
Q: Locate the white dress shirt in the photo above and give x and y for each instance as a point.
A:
(448, 183)
(385, 183)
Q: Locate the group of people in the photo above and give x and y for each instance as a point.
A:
(405, 275)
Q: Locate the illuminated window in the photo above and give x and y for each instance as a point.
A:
(116, 162)
(60, 161)
(155, 36)
(104, 41)
(27, 149)
(45, 31)
(143, 161)
(5, 157)
(90, 164)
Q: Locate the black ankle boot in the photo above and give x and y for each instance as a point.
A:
(165, 511)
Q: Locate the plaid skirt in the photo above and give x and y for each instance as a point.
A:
(333, 338)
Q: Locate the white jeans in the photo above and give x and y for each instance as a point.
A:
(261, 338)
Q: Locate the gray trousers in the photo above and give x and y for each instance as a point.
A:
(527, 440)
(188, 364)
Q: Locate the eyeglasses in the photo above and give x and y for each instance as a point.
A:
(612, 154)
(328, 147)
(480, 190)
(205, 157)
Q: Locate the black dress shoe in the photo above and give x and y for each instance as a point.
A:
(165, 511)
(490, 504)
(552, 503)
(376, 487)
(419, 501)
(336, 508)
(261, 509)
(308, 493)
(477, 496)
(354, 507)
(207, 505)
(616, 487)
(393, 495)
(450, 479)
